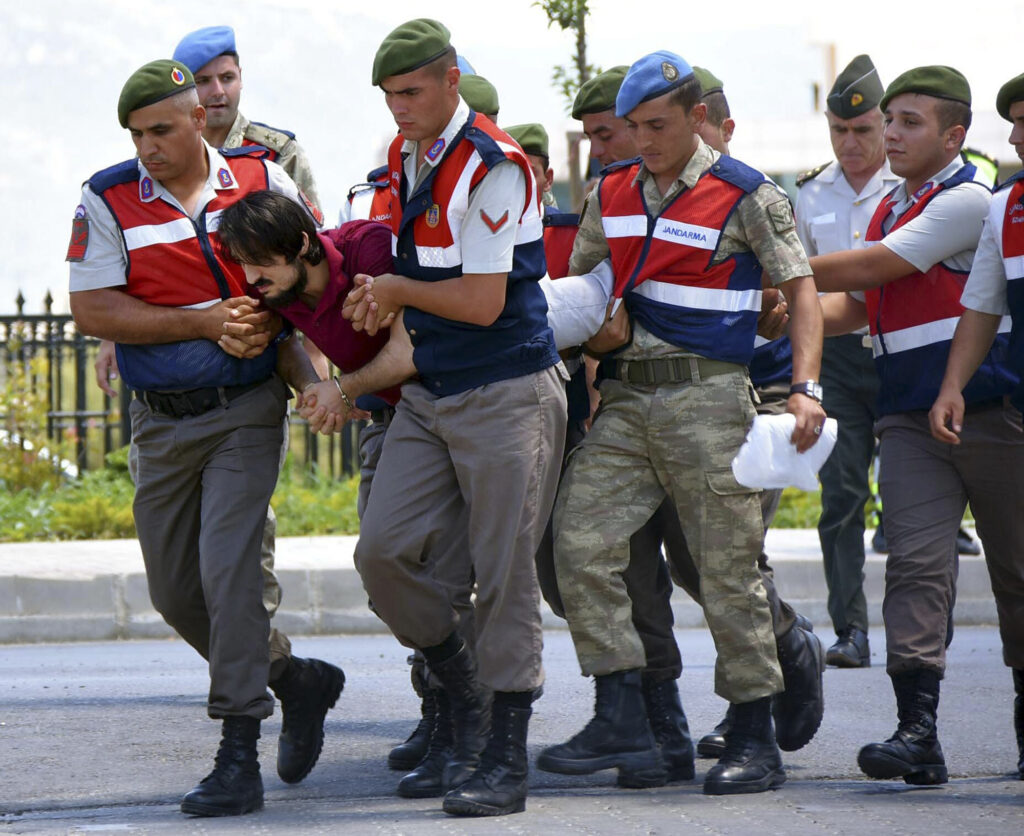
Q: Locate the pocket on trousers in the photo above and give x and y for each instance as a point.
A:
(723, 483)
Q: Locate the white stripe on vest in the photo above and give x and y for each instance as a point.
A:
(635, 226)
(703, 298)
(168, 233)
(919, 336)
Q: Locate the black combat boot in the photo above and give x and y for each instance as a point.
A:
(671, 731)
(851, 650)
(234, 787)
(913, 752)
(498, 787)
(307, 689)
(712, 745)
(407, 755)
(470, 710)
(799, 708)
(427, 779)
(751, 761)
(619, 736)
(1018, 718)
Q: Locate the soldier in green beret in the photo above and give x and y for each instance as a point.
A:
(833, 207)
(993, 292)
(594, 106)
(480, 95)
(146, 273)
(468, 262)
(909, 285)
(533, 139)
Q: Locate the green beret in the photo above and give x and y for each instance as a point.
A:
(1012, 91)
(938, 81)
(598, 94)
(532, 138)
(409, 47)
(479, 94)
(857, 89)
(709, 82)
(149, 84)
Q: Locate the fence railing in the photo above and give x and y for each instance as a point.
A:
(56, 360)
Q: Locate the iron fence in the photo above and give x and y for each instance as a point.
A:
(57, 361)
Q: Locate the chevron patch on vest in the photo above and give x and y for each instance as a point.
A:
(494, 226)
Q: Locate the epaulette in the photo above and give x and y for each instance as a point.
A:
(1009, 181)
(807, 176)
(379, 173)
(739, 174)
(273, 138)
(560, 219)
(257, 151)
(121, 173)
(364, 187)
(620, 164)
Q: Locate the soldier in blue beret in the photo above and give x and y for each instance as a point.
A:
(690, 233)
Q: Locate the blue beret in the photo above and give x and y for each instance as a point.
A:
(464, 66)
(199, 48)
(652, 76)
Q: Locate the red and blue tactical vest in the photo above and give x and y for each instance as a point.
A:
(663, 263)
(452, 356)
(559, 235)
(174, 261)
(1012, 244)
(912, 321)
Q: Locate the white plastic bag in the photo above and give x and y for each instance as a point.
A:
(768, 459)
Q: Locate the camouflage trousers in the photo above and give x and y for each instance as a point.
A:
(648, 442)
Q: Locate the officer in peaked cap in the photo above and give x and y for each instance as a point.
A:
(671, 423)
(833, 208)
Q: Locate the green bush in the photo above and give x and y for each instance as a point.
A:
(28, 459)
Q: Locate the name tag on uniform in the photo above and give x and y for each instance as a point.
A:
(828, 218)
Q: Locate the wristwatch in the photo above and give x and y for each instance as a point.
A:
(810, 388)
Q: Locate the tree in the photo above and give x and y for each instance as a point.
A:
(570, 15)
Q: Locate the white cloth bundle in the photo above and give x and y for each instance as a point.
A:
(768, 459)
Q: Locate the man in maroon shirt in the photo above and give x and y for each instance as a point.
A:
(305, 276)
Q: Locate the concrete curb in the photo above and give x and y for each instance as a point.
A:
(96, 590)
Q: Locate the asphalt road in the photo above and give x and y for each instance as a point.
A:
(105, 738)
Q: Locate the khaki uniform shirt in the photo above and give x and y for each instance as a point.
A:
(290, 155)
(762, 223)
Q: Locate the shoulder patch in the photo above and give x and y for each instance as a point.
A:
(79, 242)
(781, 214)
(273, 138)
(807, 176)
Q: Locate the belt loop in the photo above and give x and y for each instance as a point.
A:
(694, 371)
(623, 370)
(222, 396)
(145, 400)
